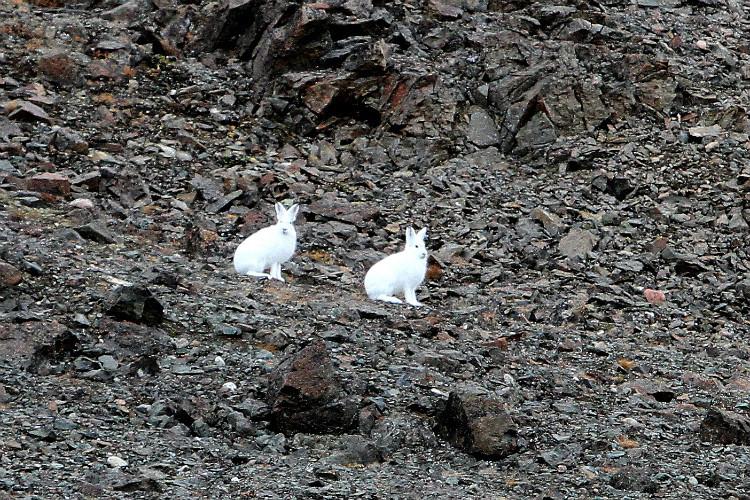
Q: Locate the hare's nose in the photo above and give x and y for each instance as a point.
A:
(284, 231)
(422, 256)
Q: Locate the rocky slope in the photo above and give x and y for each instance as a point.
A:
(583, 171)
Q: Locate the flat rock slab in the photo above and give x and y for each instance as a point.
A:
(577, 243)
(28, 112)
(50, 182)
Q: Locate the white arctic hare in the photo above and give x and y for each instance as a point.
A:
(401, 272)
(269, 247)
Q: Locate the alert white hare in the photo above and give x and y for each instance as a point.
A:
(269, 247)
(401, 272)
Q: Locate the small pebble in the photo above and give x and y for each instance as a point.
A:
(219, 361)
(82, 203)
(116, 462)
(701, 44)
(229, 387)
(629, 421)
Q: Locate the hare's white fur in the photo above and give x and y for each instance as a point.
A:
(401, 272)
(269, 247)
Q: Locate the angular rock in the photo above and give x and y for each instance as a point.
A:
(619, 187)
(305, 394)
(63, 346)
(9, 274)
(224, 202)
(91, 180)
(127, 11)
(445, 9)
(333, 207)
(83, 203)
(725, 427)
(632, 479)
(65, 139)
(8, 129)
(538, 133)
(50, 182)
(28, 112)
(578, 243)
(96, 231)
(59, 67)
(479, 425)
(549, 220)
(134, 303)
(701, 132)
(482, 128)
(201, 237)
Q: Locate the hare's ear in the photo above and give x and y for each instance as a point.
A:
(292, 212)
(410, 236)
(280, 211)
(422, 234)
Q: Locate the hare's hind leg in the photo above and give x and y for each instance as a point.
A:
(389, 298)
(411, 297)
(276, 271)
(258, 275)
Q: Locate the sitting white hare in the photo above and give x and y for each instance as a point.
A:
(401, 272)
(269, 247)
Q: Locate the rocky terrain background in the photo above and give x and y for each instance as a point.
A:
(583, 170)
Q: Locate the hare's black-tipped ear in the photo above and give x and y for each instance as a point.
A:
(422, 234)
(410, 235)
(292, 212)
(280, 211)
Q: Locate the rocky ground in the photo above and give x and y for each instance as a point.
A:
(583, 171)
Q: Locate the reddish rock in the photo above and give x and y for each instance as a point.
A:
(655, 297)
(59, 67)
(306, 394)
(50, 182)
(9, 275)
(319, 95)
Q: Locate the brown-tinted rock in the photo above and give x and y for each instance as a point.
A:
(306, 394)
(50, 182)
(201, 238)
(59, 67)
(478, 424)
(725, 427)
(9, 274)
